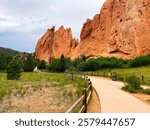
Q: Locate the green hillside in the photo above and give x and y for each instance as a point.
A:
(8, 51)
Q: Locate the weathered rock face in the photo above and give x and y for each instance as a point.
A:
(122, 29)
(54, 44)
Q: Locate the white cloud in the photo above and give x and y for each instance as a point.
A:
(34, 17)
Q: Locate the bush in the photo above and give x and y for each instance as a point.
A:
(133, 81)
(28, 64)
(140, 61)
(146, 91)
(129, 89)
(13, 70)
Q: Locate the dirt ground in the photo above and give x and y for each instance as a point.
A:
(46, 100)
(94, 105)
(143, 97)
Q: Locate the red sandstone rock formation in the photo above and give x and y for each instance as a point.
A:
(122, 29)
(54, 44)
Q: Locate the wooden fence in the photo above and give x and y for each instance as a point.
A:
(82, 102)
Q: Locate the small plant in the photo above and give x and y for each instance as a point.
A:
(132, 84)
(146, 91)
(129, 89)
(133, 81)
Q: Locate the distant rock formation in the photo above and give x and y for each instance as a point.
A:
(55, 43)
(122, 29)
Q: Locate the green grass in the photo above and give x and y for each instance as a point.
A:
(139, 71)
(37, 81)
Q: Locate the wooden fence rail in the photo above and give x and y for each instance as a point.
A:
(84, 99)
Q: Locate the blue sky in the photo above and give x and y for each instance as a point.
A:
(23, 22)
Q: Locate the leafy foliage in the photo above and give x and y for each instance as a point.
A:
(111, 62)
(8, 52)
(133, 84)
(28, 64)
(41, 64)
(13, 70)
(133, 81)
(4, 60)
(59, 65)
(140, 61)
(91, 65)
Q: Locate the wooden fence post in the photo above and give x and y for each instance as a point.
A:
(72, 75)
(84, 77)
(90, 86)
(142, 78)
(104, 74)
(85, 100)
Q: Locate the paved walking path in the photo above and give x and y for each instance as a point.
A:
(113, 99)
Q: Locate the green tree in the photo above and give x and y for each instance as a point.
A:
(58, 65)
(53, 65)
(28, 64)
(13, 70)
(41, 64)
(61, 66)
(3, 62)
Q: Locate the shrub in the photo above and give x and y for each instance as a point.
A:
(133, 81)
(146, 91)
(129, 89)
(13, 70)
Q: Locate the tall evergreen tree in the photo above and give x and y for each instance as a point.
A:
(61, 66)
(13, 70)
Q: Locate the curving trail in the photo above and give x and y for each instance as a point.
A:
(114, 100)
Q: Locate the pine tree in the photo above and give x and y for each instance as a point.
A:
(61, 66)
(13, 70)
(28, 64)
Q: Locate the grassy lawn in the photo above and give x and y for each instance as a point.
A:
(37, 81)
(139, 71)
